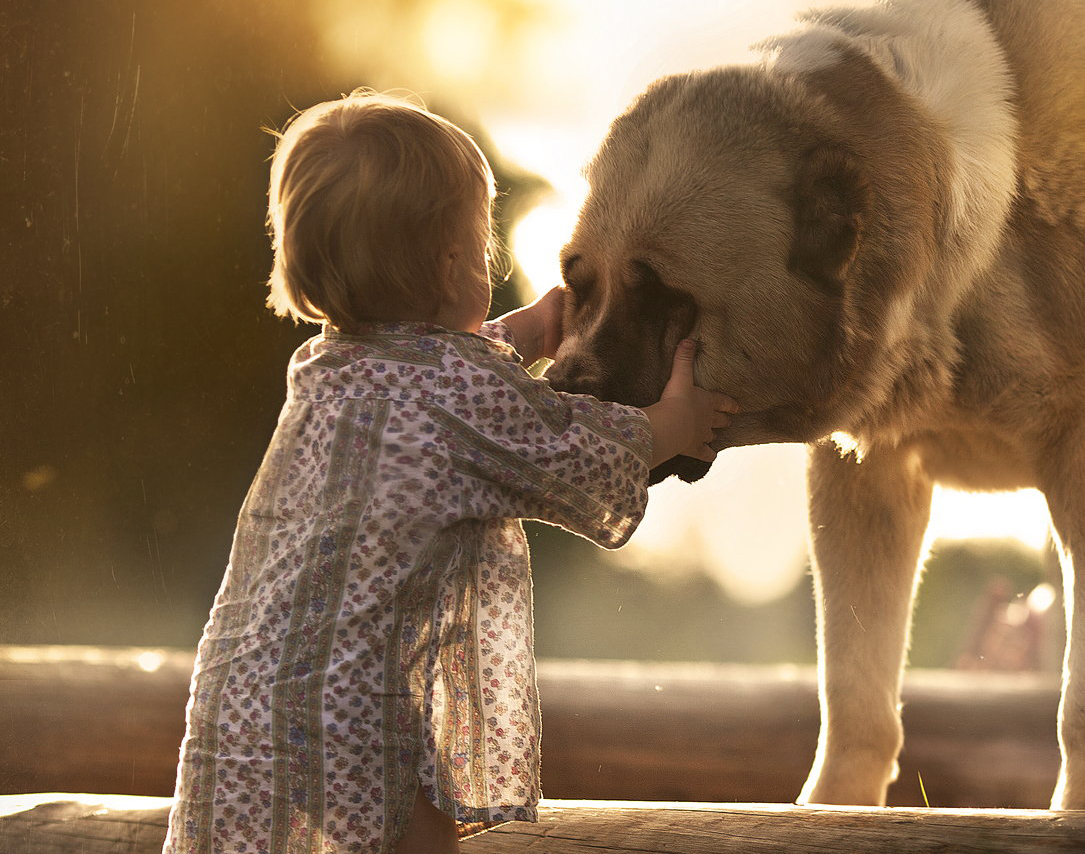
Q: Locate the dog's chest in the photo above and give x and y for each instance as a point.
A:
(974, 457)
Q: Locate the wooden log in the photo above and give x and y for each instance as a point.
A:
(64, 824)
(629, 731)
(91, 719)
(647, 828)
(82, 824)
(111, 720)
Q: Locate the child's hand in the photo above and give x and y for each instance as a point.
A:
(536, 328)
(683, 420)
(549, 308)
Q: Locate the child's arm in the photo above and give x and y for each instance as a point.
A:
(570, 459)
(683, 419)
(536, 328)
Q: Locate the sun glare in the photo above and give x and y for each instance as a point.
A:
(745, 524)
(457, 38)
(1020, 516)
(538, 238)
(94, 804)
(149, 661)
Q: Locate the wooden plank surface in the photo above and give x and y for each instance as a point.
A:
(87, 824)
(82, 824)
(110, 720)
(601, 828)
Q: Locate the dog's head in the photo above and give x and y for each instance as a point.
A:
(719, 208)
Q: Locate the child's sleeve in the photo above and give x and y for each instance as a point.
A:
(521, 449)
(496, 330)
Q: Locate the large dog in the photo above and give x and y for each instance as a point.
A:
(877, 234)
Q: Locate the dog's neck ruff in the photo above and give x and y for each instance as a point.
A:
(945, 55)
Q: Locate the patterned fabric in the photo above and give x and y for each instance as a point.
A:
(373, 630)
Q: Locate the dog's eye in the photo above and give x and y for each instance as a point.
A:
(567, 264)
(580, 288)
(575, 279)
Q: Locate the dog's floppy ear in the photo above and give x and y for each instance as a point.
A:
(829, 198)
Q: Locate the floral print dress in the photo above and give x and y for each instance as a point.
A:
(373, 630)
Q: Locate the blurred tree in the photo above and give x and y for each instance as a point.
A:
(954, 597)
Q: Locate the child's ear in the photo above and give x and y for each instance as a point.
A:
(450, 275)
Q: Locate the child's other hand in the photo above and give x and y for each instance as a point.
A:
(686, 415)
(537, 328)
(548, 310)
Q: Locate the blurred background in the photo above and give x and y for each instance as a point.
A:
(141, 374)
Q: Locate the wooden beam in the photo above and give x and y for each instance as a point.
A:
(624, 828)
(631, 731)
(82, 824)
(91, 719)
(63, 824)
(111, 720)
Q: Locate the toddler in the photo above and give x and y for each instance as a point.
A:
(365, 681)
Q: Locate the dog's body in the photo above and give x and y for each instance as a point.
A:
(878, 233)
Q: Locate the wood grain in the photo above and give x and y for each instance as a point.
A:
(64, 824)
(753, 828)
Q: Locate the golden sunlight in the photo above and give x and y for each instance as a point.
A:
(13, 804)
(457, 37)
(538, 238)
(545, 78)
(1020, 516)
(746, 521)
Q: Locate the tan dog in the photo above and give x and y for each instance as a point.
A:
(877, 234)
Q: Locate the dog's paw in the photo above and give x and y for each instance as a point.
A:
(848, 782)
(1067, 797)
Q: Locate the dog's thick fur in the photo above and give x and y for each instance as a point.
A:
(878, 234)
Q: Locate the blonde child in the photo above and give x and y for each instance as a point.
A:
(365, 681)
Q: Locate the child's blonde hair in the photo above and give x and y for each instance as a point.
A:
(368, 194)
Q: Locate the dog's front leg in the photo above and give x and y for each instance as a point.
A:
(1064, 487)
(867, 521)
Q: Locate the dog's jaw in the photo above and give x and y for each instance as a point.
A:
(688, 469)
